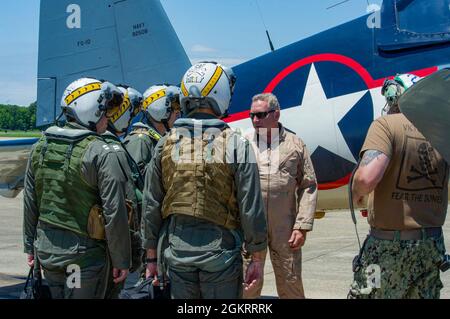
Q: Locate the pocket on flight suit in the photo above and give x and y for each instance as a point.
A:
(190, 236)
(56, 248)
(289, 164)
(93, 282)
(288, 185)
(289, 169)
(55, 241)
(439, 250)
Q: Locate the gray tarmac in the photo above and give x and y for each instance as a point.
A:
(327, 255)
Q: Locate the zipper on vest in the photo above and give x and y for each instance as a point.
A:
(269, 150)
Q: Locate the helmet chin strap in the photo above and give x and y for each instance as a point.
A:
(166, 123)
(149, 121)
(112, 129)
(147, 118)
(385, 109)
(58, 121)
(91, 127)
(225, 115)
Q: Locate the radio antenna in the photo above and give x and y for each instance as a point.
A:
(272, 48)
(342, 2)
(337, 4)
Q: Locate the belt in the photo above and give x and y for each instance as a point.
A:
(413, 234)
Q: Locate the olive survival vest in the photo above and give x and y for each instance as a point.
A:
(64, 198)
(199, 187)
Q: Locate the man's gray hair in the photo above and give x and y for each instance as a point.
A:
(270, 98)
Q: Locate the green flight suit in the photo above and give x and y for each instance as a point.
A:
(140, 144)
(57, 247)
(135, 185)
(202, 258)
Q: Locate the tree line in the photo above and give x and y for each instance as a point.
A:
(18, 118)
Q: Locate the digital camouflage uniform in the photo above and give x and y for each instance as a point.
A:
(202, 211)
(61, 182)
(411, 198)
(409, 269)
(140, 144)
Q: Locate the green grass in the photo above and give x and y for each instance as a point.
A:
(36, 133)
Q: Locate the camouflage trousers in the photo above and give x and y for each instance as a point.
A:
(399, 269)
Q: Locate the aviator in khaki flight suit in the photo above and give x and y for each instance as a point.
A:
(289, 190)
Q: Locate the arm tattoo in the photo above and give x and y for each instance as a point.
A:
(369, 156)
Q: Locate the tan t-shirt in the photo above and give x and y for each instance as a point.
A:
(413, 192)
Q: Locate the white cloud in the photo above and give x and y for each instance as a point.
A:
(199, 48)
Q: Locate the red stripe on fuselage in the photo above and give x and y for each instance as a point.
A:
(237, 116)
(339, 183)
(330, 57)
(327, 57)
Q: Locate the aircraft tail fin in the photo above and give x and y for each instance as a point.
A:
(123, 41)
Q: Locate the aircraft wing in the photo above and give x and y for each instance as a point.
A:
(13, 161)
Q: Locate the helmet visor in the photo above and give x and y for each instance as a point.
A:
(112, 108)
(115, 112)
(111, 99)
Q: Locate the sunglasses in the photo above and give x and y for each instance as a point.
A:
(260, 115)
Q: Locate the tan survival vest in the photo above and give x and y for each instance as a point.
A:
(202, 187)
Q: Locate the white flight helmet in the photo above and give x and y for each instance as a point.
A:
(86, 100)
(207, 84)
(393, 89)
(130, 107)
(160, 101)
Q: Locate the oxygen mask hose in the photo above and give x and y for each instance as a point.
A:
(352, 208)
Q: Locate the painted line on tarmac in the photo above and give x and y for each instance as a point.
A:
(328, 253)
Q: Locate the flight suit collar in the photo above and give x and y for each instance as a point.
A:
(201, 119)
(111, 135)
(73, 125)
(142, 125)
(281, 134)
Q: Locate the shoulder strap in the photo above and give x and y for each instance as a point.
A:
(68, 135)
(153, 134)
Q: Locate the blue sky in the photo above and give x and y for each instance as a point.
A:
(208, 29)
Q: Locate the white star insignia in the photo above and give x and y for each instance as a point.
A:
(316, 120)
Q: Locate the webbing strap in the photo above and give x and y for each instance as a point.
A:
(68, 156)
(44, 150)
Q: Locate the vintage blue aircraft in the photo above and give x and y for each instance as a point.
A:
(328, 84)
